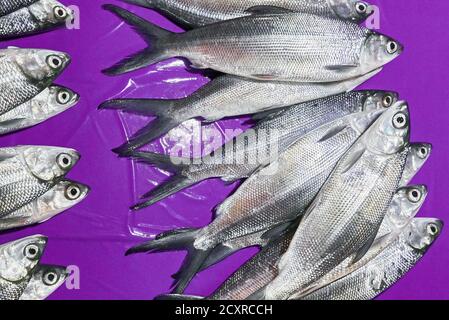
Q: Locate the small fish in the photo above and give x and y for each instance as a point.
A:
(262, 268)
(269, 45)
(40, 16)
(387, 268)
(47, 104)
(9, 6)
(346, 215)
(17, 260)
(24, 73)
(202, 12)
(28, 172)
(45, 280)
(271, 199)
(271, 135)
(225, 96)
(61, 197)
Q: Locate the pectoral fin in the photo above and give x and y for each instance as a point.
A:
(342, 67)
(267, 10)
(352, 160)
(361, 253)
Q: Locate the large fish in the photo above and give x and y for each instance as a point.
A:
(45, 280)
(40, 16)
(269, 45)
(49, 103)
(202, 12)
(387, 268)
(345, 217)
(28, 172)
(61, 197)
(24, 73)
(17, 260)
(262, 268)
(272, 135)
(9, 6)
(225, 96)
(271, 199)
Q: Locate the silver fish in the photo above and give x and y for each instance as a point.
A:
(271, 136)
(387, 268)
(345, 216)
(271, 199)
(274, 46)
(202, 12)
(17, 260)
(262, 268)
(28, 172)
(27, 72)
(45, 280)
(61, 197)
(9, 6)
(49, 103)
(40, 16)
(225, 96)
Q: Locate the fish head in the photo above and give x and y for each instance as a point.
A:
(45, 280)
(50, 12)
(423, 232)
(390, 133)
(49, 163)
(377, 100)
(61, 197)
(405, 205)
(19, 257)
(418, 155)
(59, 99)
(354, 10)
(40, 65)
(379, 50)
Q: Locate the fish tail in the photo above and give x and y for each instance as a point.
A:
(176, 183)
(182, 239)
(168, 117)
(178, 297)
(154, 36)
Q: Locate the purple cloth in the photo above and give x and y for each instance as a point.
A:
(95, 234)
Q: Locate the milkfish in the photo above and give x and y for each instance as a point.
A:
(45, 280)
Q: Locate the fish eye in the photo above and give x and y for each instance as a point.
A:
(361, 7)
(64, 161)
(392, 47)
(72, 192)
(50, 278)
(63, 97)
(387, 101)
(60, 12)
(423, 152)
(414, 195)
(31, 251)
(400, 121)
(432, 229)
(54, 62)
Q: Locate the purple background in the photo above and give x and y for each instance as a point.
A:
(95, 234)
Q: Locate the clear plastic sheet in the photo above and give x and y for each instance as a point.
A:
(95, 235)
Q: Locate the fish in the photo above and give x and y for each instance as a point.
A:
(269, 45)
(225, 96)
(17, 260)
(38, 17)
(9, 6)
(387, 268)
(28, 172)
(47, 104)
(345, 216)
(271, 135)
(61, 197)
(45, 280)
(27, 72)
(203, 12)
(262, 268)
(271, 199)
